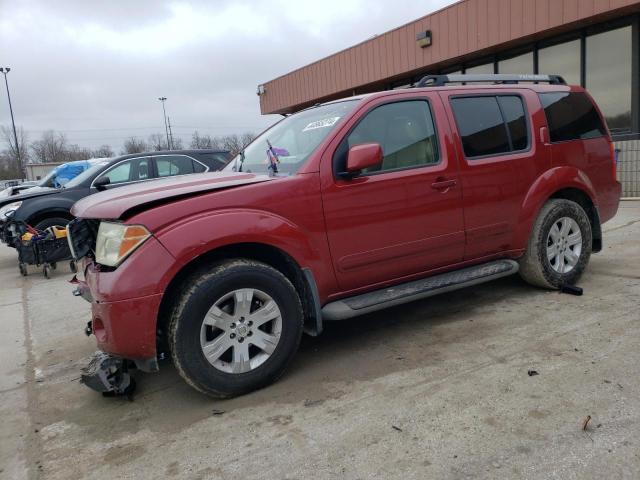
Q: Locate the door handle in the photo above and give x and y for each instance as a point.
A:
(443, 184)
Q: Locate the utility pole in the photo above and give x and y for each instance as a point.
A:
(4, 71)
(170, 132)
(166, 129)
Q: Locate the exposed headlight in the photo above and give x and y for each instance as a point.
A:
(8, 210)
(117, 241)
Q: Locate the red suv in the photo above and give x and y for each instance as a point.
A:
(340, 210)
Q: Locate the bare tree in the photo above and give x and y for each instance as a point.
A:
(176, 143)
(52, 147)
(246, 138)
(11, 152)
(201, 141)
(75, 152)
(157, 142)
(134, 145)
(102, 152)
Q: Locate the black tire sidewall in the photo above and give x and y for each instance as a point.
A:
(559, 210)
(196, 302)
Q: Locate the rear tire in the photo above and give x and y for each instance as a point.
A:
(236, 328)
(559, 247)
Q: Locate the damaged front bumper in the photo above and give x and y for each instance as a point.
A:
(108, 374)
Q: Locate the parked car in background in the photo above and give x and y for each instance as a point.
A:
(13, 188)
(51, 206)
(56, 178)
(343, 209)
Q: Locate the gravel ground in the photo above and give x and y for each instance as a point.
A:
(435, 389)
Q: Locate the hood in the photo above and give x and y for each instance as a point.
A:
(116, 202)
(28, 193)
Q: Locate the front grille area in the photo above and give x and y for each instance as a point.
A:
(82, 236)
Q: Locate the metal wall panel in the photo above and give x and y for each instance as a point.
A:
(461, 31)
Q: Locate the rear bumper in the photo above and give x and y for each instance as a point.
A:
(609, 202)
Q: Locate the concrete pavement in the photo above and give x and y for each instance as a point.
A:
(435, 389)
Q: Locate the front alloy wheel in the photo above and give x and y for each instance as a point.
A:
(241, 330)
(235, 328)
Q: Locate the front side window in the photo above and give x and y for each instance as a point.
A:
(284, 148)
(571, 116)
(404, 130)
(120, 173)
(170, 165)
(491, 125)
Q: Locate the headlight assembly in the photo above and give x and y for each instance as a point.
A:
(8, 210)
(116, 241)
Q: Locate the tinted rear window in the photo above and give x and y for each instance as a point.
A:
(571, 116)
(481, 126)
(491, 125)
(513, 112)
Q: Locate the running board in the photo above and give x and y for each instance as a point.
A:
(417, 289)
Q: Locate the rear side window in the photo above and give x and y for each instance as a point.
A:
(491, 125)
(170, 165)
(571, 116)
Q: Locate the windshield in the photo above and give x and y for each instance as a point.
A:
(48, 180)
(88, 173)
(283, 148)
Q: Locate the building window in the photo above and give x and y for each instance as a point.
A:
(519, 64)
(608, 67)
(479, 69)
(562, 59)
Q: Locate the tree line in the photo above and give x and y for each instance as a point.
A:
(54, 147)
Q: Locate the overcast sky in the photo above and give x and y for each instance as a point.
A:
(95, 69)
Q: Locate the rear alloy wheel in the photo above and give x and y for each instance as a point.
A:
(235, 328)
(559, 247)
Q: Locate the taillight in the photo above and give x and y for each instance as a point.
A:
(614, 166)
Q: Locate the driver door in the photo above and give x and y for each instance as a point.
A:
(405, 216)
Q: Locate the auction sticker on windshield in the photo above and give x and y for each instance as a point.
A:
(325, 122)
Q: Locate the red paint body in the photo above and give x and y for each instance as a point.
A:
(354, 234)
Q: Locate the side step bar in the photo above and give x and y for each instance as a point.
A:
(417, 289)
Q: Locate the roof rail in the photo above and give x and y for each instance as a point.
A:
(442, 80)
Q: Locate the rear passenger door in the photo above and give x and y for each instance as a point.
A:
(405, 216)
(501, 157)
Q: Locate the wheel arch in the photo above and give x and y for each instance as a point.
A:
(41, 215)
(562, 182)
(301, 278)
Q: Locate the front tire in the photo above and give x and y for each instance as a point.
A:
(236, 328)
(559, 247)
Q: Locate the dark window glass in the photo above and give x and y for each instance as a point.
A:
(406, 132)
(571, 116)
(514, 116)
(198, 167)
(169, 165)
(481, 126)
(608, 65)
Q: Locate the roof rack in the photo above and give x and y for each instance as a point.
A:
(442, 80)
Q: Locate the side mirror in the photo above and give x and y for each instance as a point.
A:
(363, 156)
(101, 183)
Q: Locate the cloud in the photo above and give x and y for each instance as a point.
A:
(94, 70)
